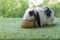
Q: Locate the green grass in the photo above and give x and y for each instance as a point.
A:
(10, 29)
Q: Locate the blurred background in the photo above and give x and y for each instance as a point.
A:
(16, 8)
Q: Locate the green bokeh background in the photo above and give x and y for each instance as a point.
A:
(16, 8)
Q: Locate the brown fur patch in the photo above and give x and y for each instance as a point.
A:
(27, 24)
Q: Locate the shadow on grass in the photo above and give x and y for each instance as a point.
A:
(57, 24)
(45, 26)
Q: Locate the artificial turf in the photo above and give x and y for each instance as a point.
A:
(10, 29)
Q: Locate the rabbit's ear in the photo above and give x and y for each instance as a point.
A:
(48, 12)
(31, 13)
